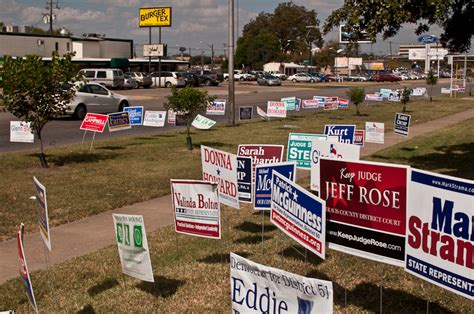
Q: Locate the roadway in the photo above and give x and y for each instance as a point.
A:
(62, 131)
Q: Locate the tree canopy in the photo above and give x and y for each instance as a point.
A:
(280, 35)
(386, 17)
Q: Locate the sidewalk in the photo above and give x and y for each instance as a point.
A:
(93, 233)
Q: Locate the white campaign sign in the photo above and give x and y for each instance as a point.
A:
(154, 118)
(133, 246)
(21, 131)
(203, 123)
(329, 150)
(374, 132)
(439, 241)
(221, 167)
(262, 113)
(256, 288)
(276, 109)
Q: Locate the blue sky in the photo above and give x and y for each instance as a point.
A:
(194, 21)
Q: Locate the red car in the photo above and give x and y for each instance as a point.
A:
(386, 77)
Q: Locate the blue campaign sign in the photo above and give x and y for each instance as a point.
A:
(299, 214)
(298, 104)
(244, 179)
(344, 132)
(263, 182)
(135, 114)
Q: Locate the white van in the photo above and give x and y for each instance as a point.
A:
(111, 78)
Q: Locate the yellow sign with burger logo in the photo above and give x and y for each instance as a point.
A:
(155, 17)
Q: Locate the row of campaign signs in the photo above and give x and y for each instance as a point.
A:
(393, 95)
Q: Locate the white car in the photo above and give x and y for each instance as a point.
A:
(168, 79)
(95, 98)
(301, 77)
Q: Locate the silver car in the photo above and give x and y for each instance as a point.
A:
(143, 79)
(95, 98)
(269, 80)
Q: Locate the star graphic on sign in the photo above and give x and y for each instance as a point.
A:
(295, 196)
(218, 172)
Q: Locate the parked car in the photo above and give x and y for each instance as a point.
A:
(111, 78)
(168, 79)
(357, 78)
(243, 76)
(129, 82)
(143, 79)
(191, 79)
(93, 97)
(386, 77)
(281, 76)
(269, 80)
(301, 77)
(207, 78)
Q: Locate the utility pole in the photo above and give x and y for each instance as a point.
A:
(230, 45)
(390, 43)
(48, 17)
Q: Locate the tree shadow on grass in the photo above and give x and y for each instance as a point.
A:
(251, 227)
(211, 144)
(299, 253)
(111, 148)
(162, 287)
(106, 284)
(253, 239)
(218, 258)
(87, 309)
(77, 158)
(367, 296)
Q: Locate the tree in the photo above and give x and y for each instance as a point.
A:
(456, 17)
(357, 96)
(432, 80)
(279, 36)
(36, 92)
(405, 97)
(325, 57)
(189, 101)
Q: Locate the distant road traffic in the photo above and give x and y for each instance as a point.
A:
(66, 130)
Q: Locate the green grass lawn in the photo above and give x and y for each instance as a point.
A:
(125, 171)
(192, 274)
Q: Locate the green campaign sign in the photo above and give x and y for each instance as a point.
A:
(290, 102)
(299, 148)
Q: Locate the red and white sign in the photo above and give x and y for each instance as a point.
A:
(366, 206)
(375, 132)
(359, 137)
(94, 122)
(196, 208)
(171, 117)
(310, 103)
(276, 109)
(261, 154)
(221, 168)
(331, 103)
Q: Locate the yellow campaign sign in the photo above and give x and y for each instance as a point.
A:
(152, 17)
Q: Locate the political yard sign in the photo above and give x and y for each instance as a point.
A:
(331, 103)
(374, 132)
(43, 218)
(440, 233)
(196, 208)
(20, 131)
(299, 148)
(263, 182)
(202, 123)
(366, 208)
(119, 121)
(154, 118)
(23, 269)
(290, 103)
(244, 178)
(261, 154)
(344, 132)
(299, 214)
(256, 288)
(135, 114)
(343, 103)
(359, 137)
(276, 109)
(310, 103)
(402, 124)
(245, 113)
(262, 113)
(94, 122)
(216, 107)
(329, 150)
(133, 246)
(221, 168)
